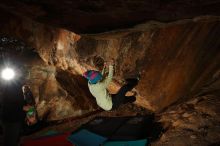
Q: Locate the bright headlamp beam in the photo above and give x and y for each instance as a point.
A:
(7, 74)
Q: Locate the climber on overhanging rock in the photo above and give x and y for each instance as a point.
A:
(98, 87)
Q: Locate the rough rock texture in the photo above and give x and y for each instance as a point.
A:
(195, 122)
(175, 59)
(50, 95)
(86, 16)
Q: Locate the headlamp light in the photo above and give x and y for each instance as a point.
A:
(7, 74)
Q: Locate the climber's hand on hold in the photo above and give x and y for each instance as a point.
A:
(105, 64)
(111, 62)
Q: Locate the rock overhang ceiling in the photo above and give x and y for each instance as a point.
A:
(172, 56)
(178, 54)
(84, 16)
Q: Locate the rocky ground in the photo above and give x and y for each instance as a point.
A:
(194, 122)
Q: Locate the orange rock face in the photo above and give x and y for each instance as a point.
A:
(174, 59)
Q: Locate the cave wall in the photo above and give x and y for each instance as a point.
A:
(52, 98)
(175, 59)
(52, 93)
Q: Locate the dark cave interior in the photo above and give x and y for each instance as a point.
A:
(173, 44)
